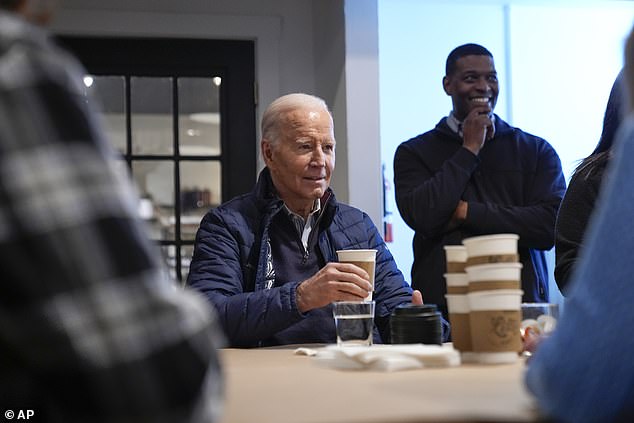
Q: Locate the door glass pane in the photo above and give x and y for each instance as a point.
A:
(199, 116)
(200, 191)
(155, 182)
(109, 94)
(169, 255)
(187, 251)
(152, 127)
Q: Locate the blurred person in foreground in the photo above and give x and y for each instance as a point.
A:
(267, 260)
(474, 174)
(90, 328)
(583, 372)
(583, 190)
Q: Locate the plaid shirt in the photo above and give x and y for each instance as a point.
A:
(91, 329)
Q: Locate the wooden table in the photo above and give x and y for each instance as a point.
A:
(274, 385)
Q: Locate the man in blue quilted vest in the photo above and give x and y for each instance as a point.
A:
(267, 260)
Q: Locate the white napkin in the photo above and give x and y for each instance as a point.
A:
(384, 357)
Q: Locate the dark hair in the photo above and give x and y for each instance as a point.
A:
(614, 113)
(9, 4)
(462, 51)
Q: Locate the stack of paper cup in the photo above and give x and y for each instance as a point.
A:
(494, 297)
(458, 307)
(456, 257)
(488, 277)
(457, 300)
(495, 320)
(498, 248)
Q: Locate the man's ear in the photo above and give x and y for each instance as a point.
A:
(267, 153)
(446, 85)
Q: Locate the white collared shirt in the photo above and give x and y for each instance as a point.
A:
(305, 227)
(456, 125)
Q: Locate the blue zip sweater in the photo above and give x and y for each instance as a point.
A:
(514, 185)
(232, 259)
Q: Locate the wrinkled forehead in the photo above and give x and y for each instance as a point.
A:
(307, 119)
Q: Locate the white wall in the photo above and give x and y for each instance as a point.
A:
(330, 80)
(563, 73)
(556, 62)
(362, 95)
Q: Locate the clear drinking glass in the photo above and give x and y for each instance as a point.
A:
(539, 317)
(354, 322)
(538, 320)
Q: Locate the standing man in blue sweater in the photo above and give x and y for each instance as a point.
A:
(474, 174)
(267, 260)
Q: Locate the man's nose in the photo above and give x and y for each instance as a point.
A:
(319, 157)
(483, 84)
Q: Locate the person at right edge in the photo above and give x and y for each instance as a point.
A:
(582, 372)
(474, 174)
(583, 190)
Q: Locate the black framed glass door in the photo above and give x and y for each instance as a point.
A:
(181, 114)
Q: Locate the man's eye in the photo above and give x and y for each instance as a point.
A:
(329, 147)
(305, 147)
(469, 78)
(493, 78)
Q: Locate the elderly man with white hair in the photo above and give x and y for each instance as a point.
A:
(267, 260)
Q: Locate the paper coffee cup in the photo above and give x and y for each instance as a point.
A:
(458, 306)
(364, 259)
(486, 277)
(456, 257)
(498, 248)
(457, 283)
(495, 319)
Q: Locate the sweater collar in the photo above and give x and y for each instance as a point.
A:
(456, 125)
